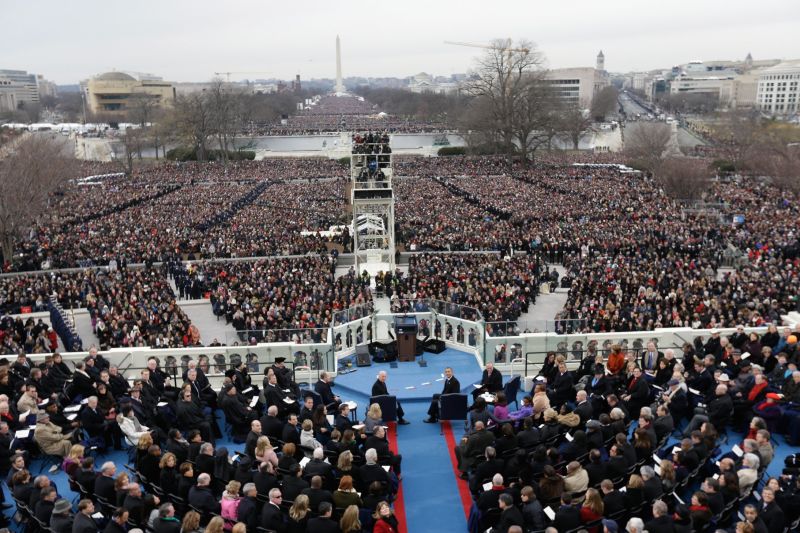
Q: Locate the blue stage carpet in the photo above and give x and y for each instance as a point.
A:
(411, 382)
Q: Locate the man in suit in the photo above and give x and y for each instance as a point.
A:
(486, 470)
(342, 420)
(104, 485)
(94, 422)
(719, 412)
(677, 400)
(596, 468)
(236, 412)
(248, 505)
(568, 516)
(379, 389)
(661, 522)
(316, 493)
(252, 439)
(451, 386)
(201, 497)
(491, 381)
(271, 425)
(652, 485)
(323, 388)
(650, 357)
(378, 442)
(318, 467)
(84, 523)
(510, 516)
(664, 422)
(372, 471)
(323, 523)
(772, 515)
(271, 515)
(613, 500)
(44, 507)
(471, 446)
(583, 408)
(275, 396)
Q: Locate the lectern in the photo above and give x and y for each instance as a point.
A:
(406, 329)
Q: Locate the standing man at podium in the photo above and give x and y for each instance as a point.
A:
(379, 389)
(491, 381)
(451, 386)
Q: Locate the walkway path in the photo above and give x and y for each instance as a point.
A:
(202, 316)
(540, 316)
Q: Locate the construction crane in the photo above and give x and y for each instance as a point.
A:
(228, 74)
(491, 46)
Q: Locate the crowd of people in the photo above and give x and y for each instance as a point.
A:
(594, 448)
(128, 307)
(298, 471)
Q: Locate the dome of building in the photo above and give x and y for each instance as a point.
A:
(115, 76)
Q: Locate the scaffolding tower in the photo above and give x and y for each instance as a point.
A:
(372, 200)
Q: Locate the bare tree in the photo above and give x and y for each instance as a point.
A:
(738, 133)
(683, 178)
(604, 102)
(194, 121)
(646, 144)
(573, 122)
(503, 78)
(36, 167)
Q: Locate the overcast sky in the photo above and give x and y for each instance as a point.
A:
(184, 40)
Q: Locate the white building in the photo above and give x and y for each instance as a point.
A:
(577, 85)
(778, 90)
(425, 83)
(26, 85)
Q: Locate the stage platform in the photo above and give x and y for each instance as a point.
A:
(409, 381)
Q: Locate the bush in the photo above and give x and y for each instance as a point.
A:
(452, 150)
(345, 161)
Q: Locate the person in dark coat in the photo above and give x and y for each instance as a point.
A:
(379, 389)
(201, 497)
(568, 516)
(248, 505)
(491, 381)
(613, 500)
(61, 520)
(167, 522)
(451, 386)
(84, 523)
(661, 522)
(271, 515)
(637, 394)
(44, 507)
(323, 388)
(510, 515)
(117, 524)
(323, 523)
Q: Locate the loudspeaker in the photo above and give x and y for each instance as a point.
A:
(434, 346)
(362, 356)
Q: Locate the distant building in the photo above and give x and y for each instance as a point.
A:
(112, 92)
(26, 86)
(577, 86)
(600, 64)
(8, 95)
(425, 83)
(778, 91)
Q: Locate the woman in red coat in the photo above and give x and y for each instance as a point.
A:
(385, 521)
(592, 509)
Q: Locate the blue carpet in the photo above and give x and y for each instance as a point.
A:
(423, 380)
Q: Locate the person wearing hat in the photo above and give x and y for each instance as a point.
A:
(49, 437)
(676, 400)
(610, 526)
(237, 413)
(275, 395)
(61, 520)
(284, 376)
(769, 409)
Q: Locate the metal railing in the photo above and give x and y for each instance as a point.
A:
(427, 305)
(296, 336)
(352, 313)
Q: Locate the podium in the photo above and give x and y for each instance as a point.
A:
(406, 329)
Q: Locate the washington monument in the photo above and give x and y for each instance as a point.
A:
(339, 85)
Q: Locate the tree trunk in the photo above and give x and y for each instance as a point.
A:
(8, 248)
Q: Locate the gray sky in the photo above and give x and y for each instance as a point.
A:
(184, 40)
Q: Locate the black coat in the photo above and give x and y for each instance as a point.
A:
(167, 525)
(662, 524)
(379, 388)
(61, 523)
(492, 382)
(84, 524)
(451, 386)
(567, 517)
(324, 390)
(613, 502)
(247, 514)
(323, 525)
(511, 516)
(272, 518)
(203, 499)
(104, 487)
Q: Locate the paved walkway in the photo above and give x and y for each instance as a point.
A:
(201, 315)
(540, 316)
(83, 325)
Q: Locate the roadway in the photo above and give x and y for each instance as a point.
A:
(686, 139)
